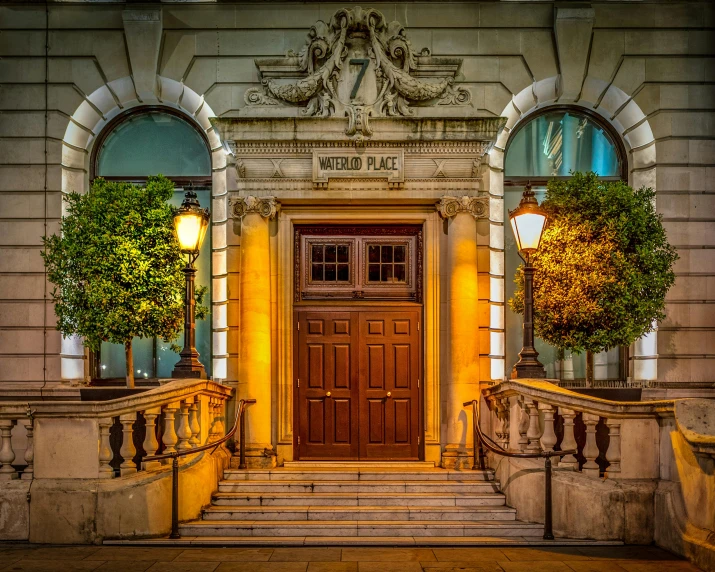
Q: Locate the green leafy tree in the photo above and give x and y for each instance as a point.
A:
(603, 267)
(117, 267)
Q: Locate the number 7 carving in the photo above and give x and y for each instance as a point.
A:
(358, 62)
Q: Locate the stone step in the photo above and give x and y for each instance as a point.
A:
(333, 486)
(400, 474)
(350, 465)
(358, 499)
(360, 513)
(347, 528)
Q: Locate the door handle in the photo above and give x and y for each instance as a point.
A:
(327, 394)
(389, 394)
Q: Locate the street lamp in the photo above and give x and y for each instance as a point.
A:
(190, 223)
(528, 221)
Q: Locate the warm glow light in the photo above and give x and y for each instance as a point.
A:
(191, 223)
(528, 221)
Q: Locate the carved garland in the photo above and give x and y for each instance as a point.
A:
(325, 56)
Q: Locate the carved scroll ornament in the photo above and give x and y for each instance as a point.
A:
(478, 207)
(267, 207)
(386, 83)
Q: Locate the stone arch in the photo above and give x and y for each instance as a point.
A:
(619, 110)
(85, 124)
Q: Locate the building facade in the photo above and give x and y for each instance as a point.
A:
(359, 162)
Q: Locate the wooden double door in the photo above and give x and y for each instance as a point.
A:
(357, 383)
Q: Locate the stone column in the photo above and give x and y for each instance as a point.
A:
(462, 383)
(254, 339)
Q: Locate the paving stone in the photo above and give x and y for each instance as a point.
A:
(125, 566)
(594, 566)
(468, 554)
(539, 566)
(479, 565)
(219, 554)
(546, 553)
(52, 566)
(136, 553)
(389, 567)
(262, 567)
(333, 567)
(184, 567)
(306, 555)
(388, 555)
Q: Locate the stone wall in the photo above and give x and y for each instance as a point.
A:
(68, 69)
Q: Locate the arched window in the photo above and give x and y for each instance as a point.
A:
(550, 144)
(136, 144)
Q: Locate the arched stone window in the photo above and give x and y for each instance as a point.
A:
(550, 144)
(149, 141)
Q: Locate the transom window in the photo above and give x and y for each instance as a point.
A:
(553, 143)
(387, 263)
(330, 262)
(358, 262)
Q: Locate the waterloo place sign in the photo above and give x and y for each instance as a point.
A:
(359, 163)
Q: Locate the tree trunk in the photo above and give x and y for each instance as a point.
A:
(130, 363)
(589, 369)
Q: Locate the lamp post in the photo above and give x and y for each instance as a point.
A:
(528, 221)
(190, 223)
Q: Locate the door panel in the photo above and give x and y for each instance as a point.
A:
(389, 370)
(358, 356)
(328, 424)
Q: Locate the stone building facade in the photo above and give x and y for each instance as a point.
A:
(429, 99)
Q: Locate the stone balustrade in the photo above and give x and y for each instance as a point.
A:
(109, 439)
(614, 439)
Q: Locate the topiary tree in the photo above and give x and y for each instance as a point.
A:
(117, 267)
(603, 267)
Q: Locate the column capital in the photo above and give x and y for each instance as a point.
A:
(267, 207)
(449, 206)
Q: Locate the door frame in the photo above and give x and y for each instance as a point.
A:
(359, 306)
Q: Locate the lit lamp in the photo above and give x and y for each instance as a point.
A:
(528, 221)
(190, 223)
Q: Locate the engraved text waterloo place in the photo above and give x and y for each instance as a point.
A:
(384, 164)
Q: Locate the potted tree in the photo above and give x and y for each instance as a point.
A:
(603, 267)
(116, 266)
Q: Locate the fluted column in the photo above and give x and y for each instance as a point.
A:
(254, 359)
(462, 382)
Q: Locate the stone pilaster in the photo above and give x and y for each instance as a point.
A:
(462, 382)
(254, 359)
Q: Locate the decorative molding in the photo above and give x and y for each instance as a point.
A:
(240, 168)
(358, 66)
(478, 207)
(267, 207)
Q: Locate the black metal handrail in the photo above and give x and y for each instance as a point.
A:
(480, 439)
(174, 456)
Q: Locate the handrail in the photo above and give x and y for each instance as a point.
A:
(482, 439)
(174, 456)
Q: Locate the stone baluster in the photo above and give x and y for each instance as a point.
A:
(150, 442)
(499, 420)
(523, 425)
(184, 430)
(29, 471)
(105, 449)
(505, 427)
(590, 451)
(548, 439)
(568, 443)
(7, 455)
(533, 434)
(613, 455)
(169, 438)
(220, 412)
(194, 424)
(128, 450)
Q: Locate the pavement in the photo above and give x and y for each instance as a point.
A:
(18, 557)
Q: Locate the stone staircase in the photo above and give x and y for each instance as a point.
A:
(362, 500)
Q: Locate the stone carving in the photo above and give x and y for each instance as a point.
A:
(358, 66)
(265, 206)
(240, 168)
(478, 207)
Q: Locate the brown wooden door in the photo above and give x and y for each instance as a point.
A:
(358, 357)
(327, 385)
(389, 395)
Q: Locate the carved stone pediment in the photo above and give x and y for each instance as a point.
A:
(358, 66)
